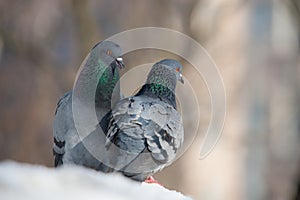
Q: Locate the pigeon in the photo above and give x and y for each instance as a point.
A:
(145, 131)
(100, 65)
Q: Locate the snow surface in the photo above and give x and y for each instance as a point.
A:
(35, 182)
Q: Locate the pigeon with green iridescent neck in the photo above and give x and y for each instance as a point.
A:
(146, 131)
(96, 83)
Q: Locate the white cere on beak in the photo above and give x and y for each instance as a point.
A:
(181, 79)
(119, 59)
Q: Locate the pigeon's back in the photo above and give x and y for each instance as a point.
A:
(148, 133)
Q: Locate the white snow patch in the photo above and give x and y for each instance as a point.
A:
(19, 181)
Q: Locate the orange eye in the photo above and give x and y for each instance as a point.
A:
(108, 52)
(177, 69)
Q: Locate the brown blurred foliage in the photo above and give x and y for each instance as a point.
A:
(254, 43)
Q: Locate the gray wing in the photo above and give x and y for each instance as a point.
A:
(63, 122)
(147, 134)
(68, 147)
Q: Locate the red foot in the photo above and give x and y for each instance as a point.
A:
(152, 180)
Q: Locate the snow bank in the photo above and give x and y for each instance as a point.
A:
(34, 182)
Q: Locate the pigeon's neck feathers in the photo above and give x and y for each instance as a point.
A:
(98, 80)
(108, 80)
(161, 83)
(164, 76)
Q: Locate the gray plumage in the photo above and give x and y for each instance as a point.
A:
(99, 69)
(145, 131)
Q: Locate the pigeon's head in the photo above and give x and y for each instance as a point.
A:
(110, 53)
(174, 66)
(164, 75)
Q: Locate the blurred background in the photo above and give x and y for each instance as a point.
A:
(255, 44)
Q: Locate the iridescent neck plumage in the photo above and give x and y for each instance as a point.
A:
(97, 80)
(161, 83)
(105, 88)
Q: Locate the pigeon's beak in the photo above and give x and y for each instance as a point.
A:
(120, 62)
(181, 78)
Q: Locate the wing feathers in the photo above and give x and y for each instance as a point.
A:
(143, 122)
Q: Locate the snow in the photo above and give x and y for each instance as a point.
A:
(19, 181)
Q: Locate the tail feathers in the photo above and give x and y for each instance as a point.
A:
(58, 152)
(58, 159)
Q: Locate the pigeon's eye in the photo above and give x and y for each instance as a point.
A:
(177, 69)
(108, 52)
